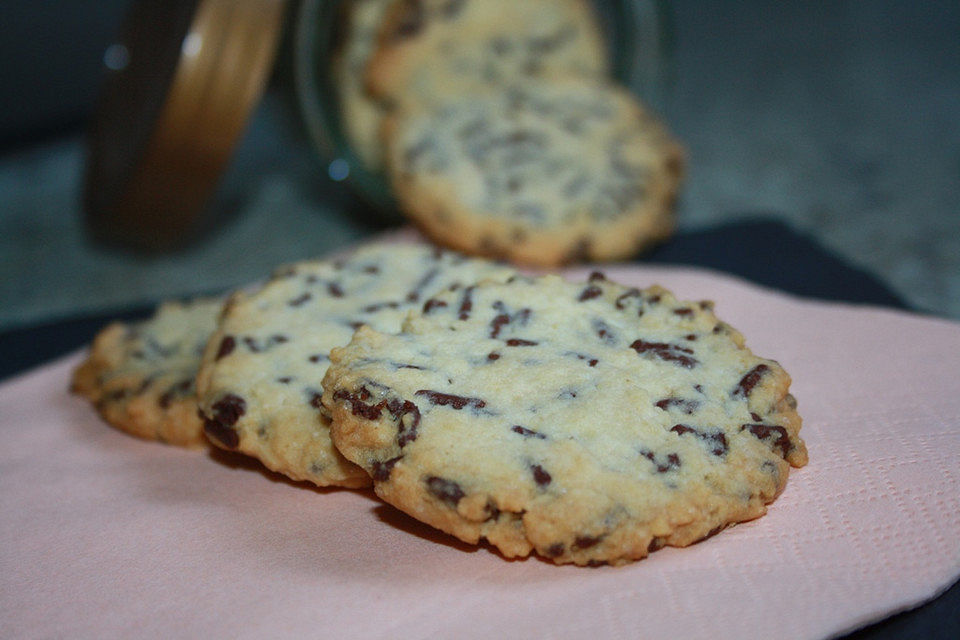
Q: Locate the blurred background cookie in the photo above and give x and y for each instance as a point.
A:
(541, 172)
(361, 115)
(433, 49)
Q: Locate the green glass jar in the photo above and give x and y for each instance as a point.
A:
(636, 32)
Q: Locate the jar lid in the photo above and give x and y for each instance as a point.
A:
(181, 83)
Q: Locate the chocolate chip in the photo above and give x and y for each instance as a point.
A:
(683, 311)
(265, 344)
(717, 440)
(406, 429)
(432, 304)
(749, 381)
(144, 385)
(446, 490)
(585, 542)
(666, 352)
(590, 293)
(491, 509)
(373, 308)
(555, 550)
(381, 470)
(497, 323)
(527, 433)
(540, 476)
(717, 529)
(620, 302)
(519, 342)
(597, 276)
(335, 290)
(765, 431)
(300, 300)
(228, 409)
(445, 399)
(493, 355)
(466, 304)
(672, 461)
(358, 407)
(223, 434)
(684, 405)
(226, 412)
(424, 281)
(227, 345)
(604, 331)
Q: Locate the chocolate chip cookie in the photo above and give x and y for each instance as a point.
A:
(588, 422)
(541, 173)
(360, 114)
(140, 376)
(431, 49)
(260, 380)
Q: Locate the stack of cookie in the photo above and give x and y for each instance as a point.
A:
(500, 130)
(587, 422)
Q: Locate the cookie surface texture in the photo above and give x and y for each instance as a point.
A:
(260, 381)
(542, 173)
(360, 114)
(587, 422)
(431, 49)
(140, 376)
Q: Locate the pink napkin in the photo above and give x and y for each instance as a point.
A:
(103, 535)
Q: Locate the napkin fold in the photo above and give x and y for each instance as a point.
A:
(103, 535)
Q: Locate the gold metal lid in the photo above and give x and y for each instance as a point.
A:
(181, 83)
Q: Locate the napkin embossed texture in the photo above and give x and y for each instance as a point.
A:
(103, 535)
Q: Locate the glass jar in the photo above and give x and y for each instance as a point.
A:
(637, 34)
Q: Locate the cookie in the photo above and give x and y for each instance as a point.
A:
(587, 422)
(431, 49)
(542, 173)
(140, 376)
(260, 380)
(360, 114)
